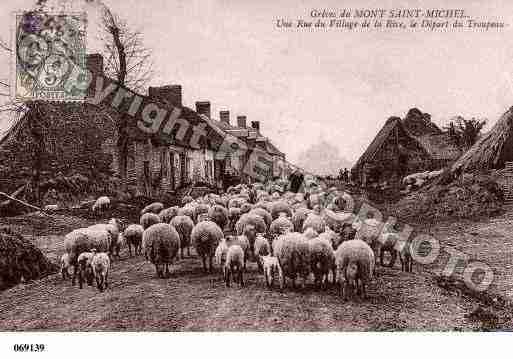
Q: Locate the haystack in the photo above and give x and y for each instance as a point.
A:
(20, 260)
(492, 150)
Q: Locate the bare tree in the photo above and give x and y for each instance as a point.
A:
(127, 59)
(465, 132)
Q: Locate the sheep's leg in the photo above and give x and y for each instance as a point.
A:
(167, 270)
(393, 258)
(106, 280)
(204, 260)
(210, 266)
(73, 278)
(381, 255)
(182, 250)
(228, 272)
(241, 278)
(129, 249)
(80, 279)
(188, 251)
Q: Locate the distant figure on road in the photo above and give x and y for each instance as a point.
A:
(295, 179)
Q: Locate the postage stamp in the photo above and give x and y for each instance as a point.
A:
(50, 48)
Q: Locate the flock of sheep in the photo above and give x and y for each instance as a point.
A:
(289, 235)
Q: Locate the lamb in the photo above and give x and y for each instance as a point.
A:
(149, 219)
(83, 240)
(234, 264)
(266, 216)
(205, 237)
(219, 215)
(133, 237)
(167, 214)
(160, 246)
(85, 271)
(66, 266)
(262, 247)
(298, 218)
(100, 263)
(293, 253)
(278, 207)
(271, 266)
(183, 226)
(101, 204)
(281, 225)
(354, 261)
(252, 219)
(155, 208)
(322, 260)
(315, 220)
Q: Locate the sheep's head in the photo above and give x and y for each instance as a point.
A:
(317, 209)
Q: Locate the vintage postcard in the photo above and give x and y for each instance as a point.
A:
(269, 166)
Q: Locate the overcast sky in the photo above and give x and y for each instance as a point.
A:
(304, 85)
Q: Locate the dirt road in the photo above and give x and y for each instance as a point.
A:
(192, 301)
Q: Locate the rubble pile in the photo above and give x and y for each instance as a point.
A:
(468, 196)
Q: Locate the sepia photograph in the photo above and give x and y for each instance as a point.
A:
(254, 167)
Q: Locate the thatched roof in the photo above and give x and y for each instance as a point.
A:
(493, 149)
(440, 146)
(378, 141)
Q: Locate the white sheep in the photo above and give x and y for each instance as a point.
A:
(369, 231)
(219, 215)
(133, 236)
(205, 237)
(112, 227)
(354, 260)
(184, 226)
(51, 208)
(66, 266)
(293, 253)
(149, 219)
(310, 233)
(322, 260)
(262, 247)
(278, 207)
(266, 216)
(160, 244)
(234, 264)
(315, 220)
(271, 266)
(167, 214)
(252, 219)
(281, 225)
(101, 204)
(100, 263)
(299, 217)
(154, 207)
(83, 240)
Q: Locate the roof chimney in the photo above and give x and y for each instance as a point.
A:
(255, 125)
(170, 94)
(241, 121)
(203, 107)
(224, 116)
(94, 63)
